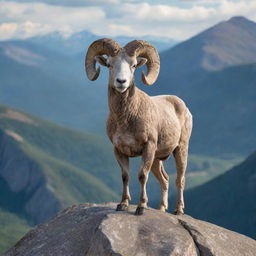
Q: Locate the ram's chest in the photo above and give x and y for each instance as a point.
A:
(127, 143)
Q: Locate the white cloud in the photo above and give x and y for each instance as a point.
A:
(163, 13)
(7, 30)
(70, 2)
(130, 17)
(246, 8)
(29, 19)
(117, 29)
(178, 22)
(22, 30)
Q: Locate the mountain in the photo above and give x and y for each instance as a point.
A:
(214, 72)
(34, 71)
(41, 80)
(77, 43)
(228, 200)
(228, 43)
(44, 167)
(51, 85)
(40, 159)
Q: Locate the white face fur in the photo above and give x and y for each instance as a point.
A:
(121, 69)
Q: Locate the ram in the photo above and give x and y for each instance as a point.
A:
(140, 125)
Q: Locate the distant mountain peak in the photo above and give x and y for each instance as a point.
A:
(228, 43)
(239, 19)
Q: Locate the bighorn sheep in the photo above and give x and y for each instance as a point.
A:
(140, 125)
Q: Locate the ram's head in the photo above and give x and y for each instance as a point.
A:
(122, 62)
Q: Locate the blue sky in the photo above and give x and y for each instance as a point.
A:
(175, 19)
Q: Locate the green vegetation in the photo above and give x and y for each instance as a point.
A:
(70, 184)
(78, 167)
(82, 150)
(12, 228)
(202, 168)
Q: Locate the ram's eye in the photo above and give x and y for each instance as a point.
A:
(134, 66)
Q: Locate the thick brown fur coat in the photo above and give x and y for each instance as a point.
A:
(154, 128)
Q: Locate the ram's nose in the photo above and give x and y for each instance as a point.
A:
(121, 81)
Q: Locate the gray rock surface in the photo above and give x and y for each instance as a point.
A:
(98, 230)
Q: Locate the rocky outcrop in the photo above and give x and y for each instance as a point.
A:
(98, 230)
(23, 183)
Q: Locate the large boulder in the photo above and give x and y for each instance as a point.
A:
(98, 230)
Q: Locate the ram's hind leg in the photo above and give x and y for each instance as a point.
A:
(180, 155)
(123, 161)
(163, 178)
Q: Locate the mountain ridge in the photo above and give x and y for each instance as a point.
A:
(228, 37)
(217, 97)
(58, 90)
(43, 160)
(75, 44)
(232, 204)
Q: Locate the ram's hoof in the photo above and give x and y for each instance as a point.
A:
(121, 207)
(177, 212)
(139, 210)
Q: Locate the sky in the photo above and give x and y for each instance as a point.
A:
(173, 19)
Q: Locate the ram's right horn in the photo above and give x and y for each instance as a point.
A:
(99, 47)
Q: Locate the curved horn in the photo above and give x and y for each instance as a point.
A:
(144, 49)
(99, 47)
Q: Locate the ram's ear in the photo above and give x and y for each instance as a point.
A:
(102, 60)
(141, 61)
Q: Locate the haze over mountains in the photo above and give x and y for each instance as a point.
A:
(214, 72)
(228, 43)
(77, 43)
(48, 84)
(45, 76)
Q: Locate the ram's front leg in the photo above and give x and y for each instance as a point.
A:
(148, 155)
(123, 161)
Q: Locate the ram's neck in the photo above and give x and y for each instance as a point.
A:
(124, 106)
